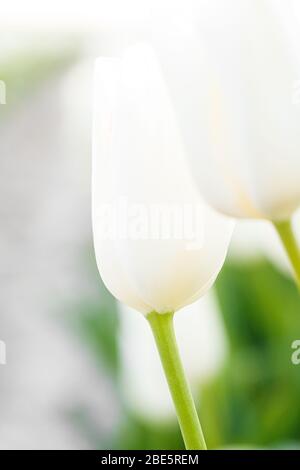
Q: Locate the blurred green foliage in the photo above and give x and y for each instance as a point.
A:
(253, 400)
(95, 319)
(23, 71)
(136, 432)
(97, 325)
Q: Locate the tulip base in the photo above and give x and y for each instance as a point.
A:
(288, 239)
(163, 330)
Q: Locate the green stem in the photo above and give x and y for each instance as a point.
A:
(286, 234)
(163, 331)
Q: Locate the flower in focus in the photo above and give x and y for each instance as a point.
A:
(158, 246)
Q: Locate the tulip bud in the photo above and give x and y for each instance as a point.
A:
(158, 246)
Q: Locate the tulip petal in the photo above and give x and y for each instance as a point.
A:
(149, 171)
(103, 187)
(245, 93)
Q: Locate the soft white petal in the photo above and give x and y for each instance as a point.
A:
(257, 64)
(194, 93)
(150, 170)
(246, 97)
(103, 186)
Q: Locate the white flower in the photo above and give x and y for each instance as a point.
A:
(143, 196)
(239, 104)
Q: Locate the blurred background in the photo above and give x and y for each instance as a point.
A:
(82, 371)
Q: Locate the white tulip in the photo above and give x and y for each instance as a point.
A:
(139, 166)
(246, 95)
(148, 255)
(238, 105)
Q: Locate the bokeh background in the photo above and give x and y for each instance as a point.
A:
(82, 371)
